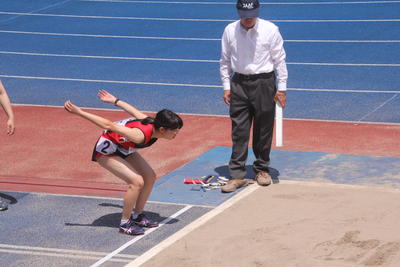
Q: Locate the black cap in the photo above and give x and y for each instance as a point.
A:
(248, 8)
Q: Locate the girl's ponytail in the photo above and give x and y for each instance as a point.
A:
(148, 120)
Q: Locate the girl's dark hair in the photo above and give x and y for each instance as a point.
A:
(165, 118)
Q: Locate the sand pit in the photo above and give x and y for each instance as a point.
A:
(296, 224)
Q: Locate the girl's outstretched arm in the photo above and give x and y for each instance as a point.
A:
(109, 98)
(99, 121)
(133, 134)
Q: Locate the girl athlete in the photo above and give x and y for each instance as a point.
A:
(6, 105)
(116, 152)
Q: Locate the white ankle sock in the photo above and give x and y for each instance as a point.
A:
(124, 222)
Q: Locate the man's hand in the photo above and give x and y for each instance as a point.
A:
(106, 97)
(227, 96)
(280, 97)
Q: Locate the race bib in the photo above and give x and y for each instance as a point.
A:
(105, 146)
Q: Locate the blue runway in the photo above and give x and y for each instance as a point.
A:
(56, 230)
(342, 58)
(309, 30)
(214, 9)
(198, 74)
(368, 53)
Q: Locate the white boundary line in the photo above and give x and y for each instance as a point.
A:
(195, 20)
(51, 254)
(191, 85)
(345, 64)
(51, 6)
(333, 20)
(37, 10)
(348, 122)
(342, 41)
(113, 36)
(65, 253)
(232, 3)
(343, 90)
(378, 107)
(109, 57)
(134, 240)
(193, 60)
(110, 81)
(93, 253)
(192, 226)
(184, 38)
(108, 198)
(111, 17)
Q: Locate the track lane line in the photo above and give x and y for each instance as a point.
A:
(232, 3)
(192, 60)
(18, 14)
(183, 38)
(36, 10)
(58, 250)
(378, 107)
(62, 255)
(192, 85)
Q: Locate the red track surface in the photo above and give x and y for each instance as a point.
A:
(51, 149)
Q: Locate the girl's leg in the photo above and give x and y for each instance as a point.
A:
(148, 175)
(123, 170)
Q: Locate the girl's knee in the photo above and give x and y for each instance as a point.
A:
(136, 183)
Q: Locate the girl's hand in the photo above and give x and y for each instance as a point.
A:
(71, 107)
(10, 126)
(106, 97)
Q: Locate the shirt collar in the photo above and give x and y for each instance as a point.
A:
(255, 27)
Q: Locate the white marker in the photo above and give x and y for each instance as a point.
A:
(279, 125)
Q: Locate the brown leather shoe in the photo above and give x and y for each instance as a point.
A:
(263, 178)
(233, 184)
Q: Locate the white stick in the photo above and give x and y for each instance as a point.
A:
(279, 125)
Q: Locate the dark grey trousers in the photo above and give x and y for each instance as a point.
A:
(252, 101)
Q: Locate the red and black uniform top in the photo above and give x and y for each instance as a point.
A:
(111, 143)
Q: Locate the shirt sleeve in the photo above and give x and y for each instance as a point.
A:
(225, 61)
(278, 55)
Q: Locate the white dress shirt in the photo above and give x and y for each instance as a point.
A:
(257, 50)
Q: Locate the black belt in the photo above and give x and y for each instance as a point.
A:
(253, 76)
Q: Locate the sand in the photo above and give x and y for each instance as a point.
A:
(295, 224)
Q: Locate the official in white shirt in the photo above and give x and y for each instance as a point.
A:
(254, 76)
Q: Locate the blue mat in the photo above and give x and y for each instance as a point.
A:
(285, 165)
